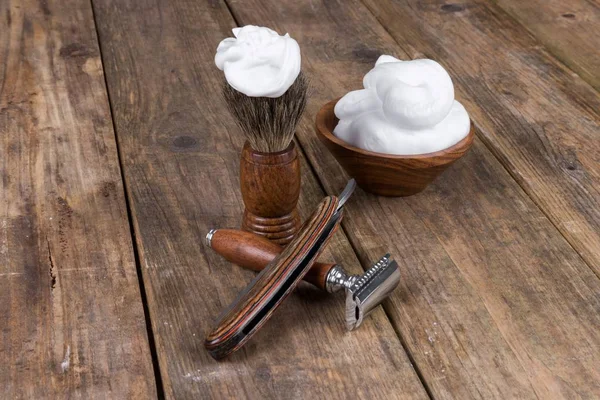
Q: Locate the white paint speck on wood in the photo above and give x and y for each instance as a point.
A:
(66, 361)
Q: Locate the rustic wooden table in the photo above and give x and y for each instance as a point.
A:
(118, 155)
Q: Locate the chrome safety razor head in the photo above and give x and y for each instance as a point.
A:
(370, 290)
(364, 292)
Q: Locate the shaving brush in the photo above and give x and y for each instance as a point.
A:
(269, 166)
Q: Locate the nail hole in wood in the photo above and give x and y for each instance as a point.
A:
(453, 7)
(184, 142)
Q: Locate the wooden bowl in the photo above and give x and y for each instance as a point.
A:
(386, 174)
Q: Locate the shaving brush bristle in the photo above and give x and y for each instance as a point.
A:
(268, 123)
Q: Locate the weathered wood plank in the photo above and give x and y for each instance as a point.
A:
(540, 120)
(569, 29)
(71, 317)
(180, 153)
(494, 302)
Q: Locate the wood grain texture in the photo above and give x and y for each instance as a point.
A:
(180, 154)
(71, 317)
(570, 30)
(539, 119)
(256, 252)
(494, 303)
(387, 174)
(255, 305)
(270, 190)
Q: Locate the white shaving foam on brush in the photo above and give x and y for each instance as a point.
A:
(259, 62)
(406, 108)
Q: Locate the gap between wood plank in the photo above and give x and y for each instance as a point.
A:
(384, 305)
(149, 331)
(568, 60)
(494, 151)
(353, 246)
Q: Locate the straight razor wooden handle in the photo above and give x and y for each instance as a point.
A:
(256, 303)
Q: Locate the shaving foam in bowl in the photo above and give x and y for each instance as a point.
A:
(386, 174)
(405, 108)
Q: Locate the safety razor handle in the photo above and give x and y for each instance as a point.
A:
(254, 252)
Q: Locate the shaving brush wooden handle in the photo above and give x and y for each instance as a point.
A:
(255, 253)
(270, 184)
(270, 169)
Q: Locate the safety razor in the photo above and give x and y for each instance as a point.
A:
(364, 292)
